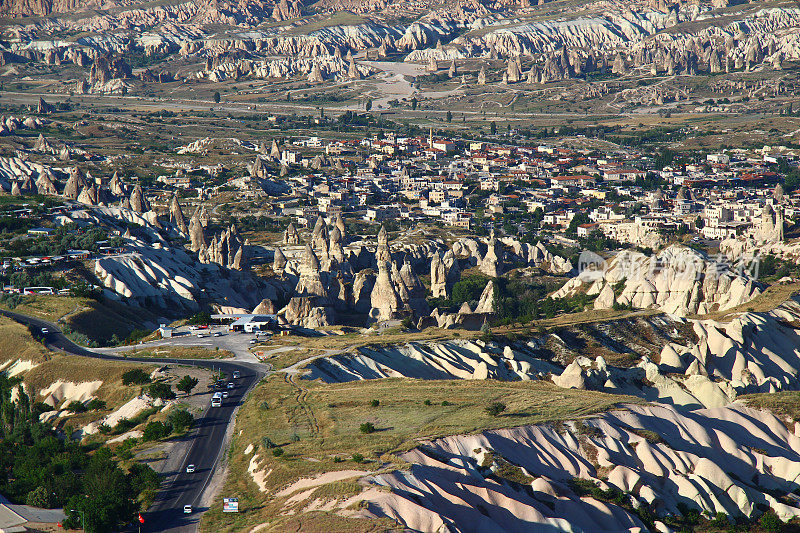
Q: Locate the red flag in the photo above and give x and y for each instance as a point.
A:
(141, 518)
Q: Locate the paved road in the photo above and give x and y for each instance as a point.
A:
(206, 448)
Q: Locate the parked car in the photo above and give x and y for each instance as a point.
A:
(187, 509)
(190, 469)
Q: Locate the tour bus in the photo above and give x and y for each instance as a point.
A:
(216, 400)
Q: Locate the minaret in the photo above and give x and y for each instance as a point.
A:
(430, 139)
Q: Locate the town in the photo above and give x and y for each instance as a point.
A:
(343, 266)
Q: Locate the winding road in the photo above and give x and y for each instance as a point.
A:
(207, 440)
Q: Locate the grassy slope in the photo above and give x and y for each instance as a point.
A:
(784, 404)
(80, 369)
(16, 343)
(326, 418)
(51, 308)
(98, 320)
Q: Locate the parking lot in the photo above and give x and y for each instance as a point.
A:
(239, 343)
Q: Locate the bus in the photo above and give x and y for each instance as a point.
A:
(216, 399)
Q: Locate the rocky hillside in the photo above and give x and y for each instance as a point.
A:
(632, 470)
(677, 280)
(690, 363)
(253, 10)
(515, 43)
(702, 451)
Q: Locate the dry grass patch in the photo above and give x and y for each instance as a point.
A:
(338, 490)
(102, 320)
(180, 352)
(97, 320)
(313, 423)
(50, 308)
(785, 405)
(310, 346)
(77, 369)
(16, 343)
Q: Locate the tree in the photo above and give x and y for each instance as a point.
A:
(201, 318)
(414, 103)
(449, 116)
(538, 215)
(792, 182)
(156, 430)
(186, 384)
(368, 105)
(217, 97)
(769, 521)
(76, 407)
(39, 497)
(161, 390)
(495, 408)
(486, 332)
(108, 501)
(468, 289)
(39, 468)
(181, 419)
(137, 376)
(577, 220)
(96, 404)
(144, 479)
(493, 128)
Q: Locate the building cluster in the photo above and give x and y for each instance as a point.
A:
(469, 184)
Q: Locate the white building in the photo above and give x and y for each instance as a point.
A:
(720, 159)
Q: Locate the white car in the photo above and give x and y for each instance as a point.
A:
(200, 335)
(225, 394)
(45, 331)
(252, 341)
(187, 509)
(190, 469)
(216, 334)
(236, 374)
